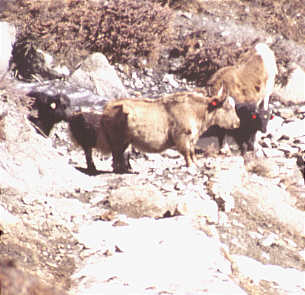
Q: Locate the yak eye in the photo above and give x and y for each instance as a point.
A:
(214, 103)
(53, 105)
(254, 116)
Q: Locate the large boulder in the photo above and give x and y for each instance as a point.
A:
(294, 91)
(140, 201)
(92, 84)
(8, 35)
(97, 75)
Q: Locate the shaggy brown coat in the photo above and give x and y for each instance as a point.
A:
(250, 81)
(176, 120)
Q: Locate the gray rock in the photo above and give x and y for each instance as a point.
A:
(140, 201)
(228, 174)
(287, 280)
(98, 76)
(79, 97)
(8, 35)
(267, 201)
(7, 220)
(31, 63)
(294, 91)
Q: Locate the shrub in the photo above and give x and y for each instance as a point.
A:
(204, 52)
(126, 31)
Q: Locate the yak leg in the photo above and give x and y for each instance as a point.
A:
(221, 137)
(185, 147)
(90, 163)
(115, 127)
(193, 155)
(120, 163)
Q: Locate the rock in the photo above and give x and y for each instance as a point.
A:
(300, 109)
(7, 220)
(294, 91)
(169, 78)
(263, 167)
(293, 129)
(15, 281)
(269, 241)
(141, 201)
(79, 97)
(98, 76)
(285, 280)
(274, 128)
(8, 35)
(52, 66)
(286, 113)
(154, 256)
(267, 201)
(273, 153)
(228, 174)
(197, 207)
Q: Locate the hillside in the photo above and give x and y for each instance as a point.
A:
(234, 226)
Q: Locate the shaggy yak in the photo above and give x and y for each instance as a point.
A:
(251, 82)
(84, 127)
(153, 125)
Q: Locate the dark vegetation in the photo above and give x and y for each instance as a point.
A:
(204, 53)
(272, 16)
(137, 33)
(126, 31)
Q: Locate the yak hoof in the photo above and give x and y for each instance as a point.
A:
(121, 168)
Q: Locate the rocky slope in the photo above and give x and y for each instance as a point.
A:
(234, 226)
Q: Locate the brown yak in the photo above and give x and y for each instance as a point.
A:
(153, 125)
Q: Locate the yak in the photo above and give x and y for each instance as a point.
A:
(154, 125)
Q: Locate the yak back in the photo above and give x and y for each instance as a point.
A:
(245, 81)
(153, 125)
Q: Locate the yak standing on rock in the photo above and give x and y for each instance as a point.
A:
(153, 125)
